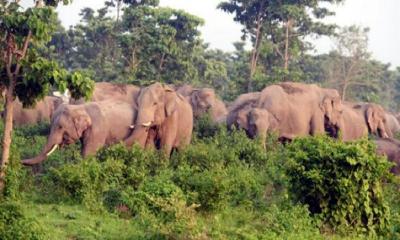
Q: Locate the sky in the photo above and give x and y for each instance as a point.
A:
(381, 16)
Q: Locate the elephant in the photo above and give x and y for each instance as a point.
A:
(392, 123)
(243, 99)
(41, 112)
(355, 126)
(111, 91)
(204, 100)
(260, 122)
(390, 148)
(239, 109)
(164, 116)
(96, 124)
(301, 109)
(374, 117)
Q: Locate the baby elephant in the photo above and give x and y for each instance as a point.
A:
(96, 124)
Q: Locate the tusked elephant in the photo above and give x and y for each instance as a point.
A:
(111, 91)
(391, 149)
(204, 100)
(165, 115)
(302, 109)
(96, 124)
(41, 112)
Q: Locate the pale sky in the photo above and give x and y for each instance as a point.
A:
(381, 16)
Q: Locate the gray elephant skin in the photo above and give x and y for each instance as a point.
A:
(361, 119)
(164, 119)
(111, 91)
(302, 109)
(204, 100)
(96, 124)
(391, 149)
(42, 111)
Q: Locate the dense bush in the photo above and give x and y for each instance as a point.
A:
(341, 182)
(14, 225)
(113, 169)
(204, 127)
(223, 186)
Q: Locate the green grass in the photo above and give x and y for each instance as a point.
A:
(76, 222)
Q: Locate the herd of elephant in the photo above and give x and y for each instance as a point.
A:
(161, 117)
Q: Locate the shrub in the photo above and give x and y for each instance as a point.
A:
(14, 225)
(204, 127)
(208, 188)
(95, 180)
(341, 182)
(162, 209)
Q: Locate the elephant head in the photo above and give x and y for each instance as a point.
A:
(260, 122)
(376, 120)
(202, 100)
(156, 103)
(332, 108)
(67, 126)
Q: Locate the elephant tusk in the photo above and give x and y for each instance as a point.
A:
(52, 150)
(148, 124)
(132, 126)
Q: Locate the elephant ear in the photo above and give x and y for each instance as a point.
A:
(170, 102)
(371, 119)
(273, 122)
(82, 122)
(194, 98)
(326, 106)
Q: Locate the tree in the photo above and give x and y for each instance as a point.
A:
(351, 66)
(278, 28)
(24, 73)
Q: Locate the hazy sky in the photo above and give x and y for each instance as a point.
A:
(381, 16)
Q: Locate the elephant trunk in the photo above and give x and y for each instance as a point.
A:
(52, 143)
(139, 136)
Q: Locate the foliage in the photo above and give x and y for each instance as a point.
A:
(340, 182)
(15, 225)
(277, 30)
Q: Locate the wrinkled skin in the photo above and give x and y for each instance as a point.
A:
(239, 109)
(41, 112)
(375, 118)
(111, 91)
(204, 100)
(391, 149)
(163, 116)
(392, 123)
(302, 109)
(94, 124)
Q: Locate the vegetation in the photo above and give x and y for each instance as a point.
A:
(24, 73)
(223, 186)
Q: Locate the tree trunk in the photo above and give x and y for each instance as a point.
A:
(8, 126)
(254, 55)
(286, 56)
(118, 9)
(9, 106)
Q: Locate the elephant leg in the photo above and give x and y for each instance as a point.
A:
(168, 134)
(317, 125)
(91, 144)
